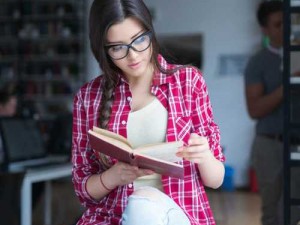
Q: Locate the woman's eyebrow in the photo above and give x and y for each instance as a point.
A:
(136, 35)
(120, 42)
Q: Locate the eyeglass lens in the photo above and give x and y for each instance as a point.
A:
(139, 44)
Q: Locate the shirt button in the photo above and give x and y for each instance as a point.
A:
(129, 98)
(123, 122)
(130, 185)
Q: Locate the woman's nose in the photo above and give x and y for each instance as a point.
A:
(132, 54)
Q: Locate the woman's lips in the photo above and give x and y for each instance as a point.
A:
(134, 65)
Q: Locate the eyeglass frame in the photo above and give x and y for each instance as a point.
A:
(147, 33)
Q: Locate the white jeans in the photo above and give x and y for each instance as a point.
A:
(149, 206)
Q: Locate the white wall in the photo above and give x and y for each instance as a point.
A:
(229, 27)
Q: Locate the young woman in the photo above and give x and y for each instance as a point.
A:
(147, 100)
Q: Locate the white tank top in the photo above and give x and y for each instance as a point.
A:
(147, 126)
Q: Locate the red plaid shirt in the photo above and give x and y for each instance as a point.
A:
(184, 95)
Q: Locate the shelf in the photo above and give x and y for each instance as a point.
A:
(52, 17)
(10, 39)
(295, 48)
(295, 156)
(295, 80)
(295, 27)
(42, 78)
(8, 19)
(295, 201)
(46, 1)
(295, 88)
(50, 98)
(52, 39)
(295, 3)
(295, 125)
(42, 44)
(296, 8)
(54, 58)
(8, 59)
(291, 105)
(294, 163)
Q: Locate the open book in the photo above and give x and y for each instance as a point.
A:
(159, 158)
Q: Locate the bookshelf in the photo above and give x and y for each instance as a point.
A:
(291, 112)
(42, 51)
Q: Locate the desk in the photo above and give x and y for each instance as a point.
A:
(37, 175)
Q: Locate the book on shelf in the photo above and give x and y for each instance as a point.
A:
(295, 155)
(160, 158)
(295, 80)
(295, 2)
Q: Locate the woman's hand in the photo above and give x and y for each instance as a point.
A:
(211, 170)
(99, 185)
(197, 151)
(122, 173)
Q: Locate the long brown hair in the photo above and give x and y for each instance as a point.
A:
(104, 14)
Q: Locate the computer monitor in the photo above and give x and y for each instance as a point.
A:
(22, 139)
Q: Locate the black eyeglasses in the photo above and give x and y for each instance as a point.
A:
(139, 44)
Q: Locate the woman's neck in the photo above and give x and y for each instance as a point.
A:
(140, 90)
(141, 81)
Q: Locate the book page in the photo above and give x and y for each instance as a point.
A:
(163, 151)
(156, 157)
(111, 135)
(112, 140)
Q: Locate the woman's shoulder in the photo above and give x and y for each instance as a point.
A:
(188, 73)
(92, 86)
(180, 74)
(190, 79)
(181, 68)
(95, 83)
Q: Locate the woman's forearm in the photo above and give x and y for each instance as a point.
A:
(212, 173)
(95, 187)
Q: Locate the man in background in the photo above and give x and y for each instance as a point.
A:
(264, 96)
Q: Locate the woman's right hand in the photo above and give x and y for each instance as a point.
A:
(122, 174)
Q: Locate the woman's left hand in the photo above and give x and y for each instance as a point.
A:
(197, 150)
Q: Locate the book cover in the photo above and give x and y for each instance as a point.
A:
(160, 157)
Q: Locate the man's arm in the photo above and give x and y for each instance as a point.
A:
(259, 104)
